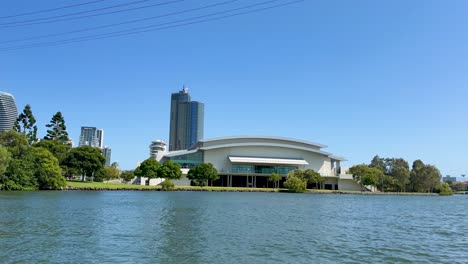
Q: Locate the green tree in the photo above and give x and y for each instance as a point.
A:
(431, 177)
(313, 177)
(170, 170)
(401, 175)
(295, 183)
(57, 148)
(19, 175)
(5, 158)
(127, 175)
(365, 175)
(57, 129)
(275, 178)
(417, 177)
(148, 168)
(107, 173)
(203, 173)
(424, 178)
(26, 124)
(16, 143)
(378, 162)
(85, 160)
(47, 170)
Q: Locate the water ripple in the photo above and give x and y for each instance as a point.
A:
(201, 227)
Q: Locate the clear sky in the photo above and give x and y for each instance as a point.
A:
(363, 77)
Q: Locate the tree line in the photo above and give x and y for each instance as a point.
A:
(200, 174)
(27, 163)
(395, 175)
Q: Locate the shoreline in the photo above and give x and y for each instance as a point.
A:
(233, 189)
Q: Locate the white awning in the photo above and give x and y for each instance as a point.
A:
(268, 161)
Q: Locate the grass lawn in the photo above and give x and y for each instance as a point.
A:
(102, 185)
(123, 186)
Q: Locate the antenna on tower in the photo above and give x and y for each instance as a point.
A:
(184, 88)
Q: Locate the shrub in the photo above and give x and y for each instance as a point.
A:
(167, 185)
(295, 184)
(444, 189)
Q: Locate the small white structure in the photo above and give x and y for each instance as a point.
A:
(157, 149)
(146, 181)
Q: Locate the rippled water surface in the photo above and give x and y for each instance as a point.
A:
(201, 227)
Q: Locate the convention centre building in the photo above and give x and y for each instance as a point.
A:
(248, 161)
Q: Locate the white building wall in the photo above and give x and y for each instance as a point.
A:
(348, 185)
(184, 181)
(156, 181)
(219, 157)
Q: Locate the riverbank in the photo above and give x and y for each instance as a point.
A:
(99, 186)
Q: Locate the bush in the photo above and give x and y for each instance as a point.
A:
(444, 189)
(295, 184)
(167, 185)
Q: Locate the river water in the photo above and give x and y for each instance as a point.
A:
(205, 227)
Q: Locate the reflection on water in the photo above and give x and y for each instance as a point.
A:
(200, 227)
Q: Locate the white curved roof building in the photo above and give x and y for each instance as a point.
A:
(248, 161)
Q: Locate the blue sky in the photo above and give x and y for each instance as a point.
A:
(363, 77)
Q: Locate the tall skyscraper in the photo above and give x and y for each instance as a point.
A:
(88, 137)
(100, 138)
(91, 136)
(8, 111)
(186, 121)
(106, 152)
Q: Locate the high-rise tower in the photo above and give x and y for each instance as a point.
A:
(100, 138)
(89, 137)
(8, 111)
(186, 121)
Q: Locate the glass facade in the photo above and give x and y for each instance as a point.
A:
(8, 111)
(261, 169)
(186, 121)
(188, 160)
(196, 120)
(107, 152)
(89, 136)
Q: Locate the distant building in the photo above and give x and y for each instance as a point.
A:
(106, 152)
(100, 138)
(186, 121)
(91, 136)
(88, 137)
(448, 178)
(157, 149)
(8, 111)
